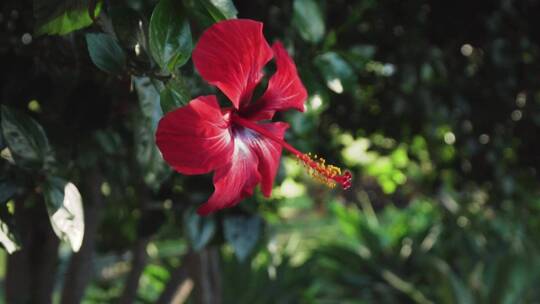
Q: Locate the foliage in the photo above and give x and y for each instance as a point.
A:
(436, 116)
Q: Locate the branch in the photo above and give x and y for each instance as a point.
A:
(31, 271)
(137, 267)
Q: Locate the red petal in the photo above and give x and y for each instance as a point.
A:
(285, 89)
(269, 153)
(255, 159)
(231, 55)
(235, 181)
(196, 138)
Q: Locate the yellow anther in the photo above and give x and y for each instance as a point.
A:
(317, 168)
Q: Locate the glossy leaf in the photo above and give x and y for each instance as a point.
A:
(64, 205)
(242, 232)
(105, 52)
(25, 138)
(308, 20)
(128, 27)
(170, 35)
(220, 9)
(200, 229)
(174, 95)
(60, 17)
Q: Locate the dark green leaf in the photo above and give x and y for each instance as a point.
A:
(170, 35)
(25, 138)
(128, 27)
(60, 17)
(110, 141)
(54, 193)
(64, 205)
(153, 168)
(220, 9)
(200, 229)
(308, 20)
(148, 92)
(105, 52)
(242, 232)
(337, 73)
(174, 95)
(456, 288)
(131, 31)
(197, 12)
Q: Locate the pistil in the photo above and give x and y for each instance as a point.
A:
(329, 175)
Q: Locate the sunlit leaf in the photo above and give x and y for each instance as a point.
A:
(220, 9)
(60, 17)
(308, 20)
(170, 35)
(64, 205)
(7, 238)
(242, 232)
(105, 52)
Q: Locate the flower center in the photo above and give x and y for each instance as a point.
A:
(329, 175)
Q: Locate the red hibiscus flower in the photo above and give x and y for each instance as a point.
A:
(233, 142)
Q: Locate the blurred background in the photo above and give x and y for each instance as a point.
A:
(433, 105)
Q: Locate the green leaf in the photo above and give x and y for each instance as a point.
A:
(454, 287)
(149, 103)
(8, 239)
(308, 20)
(337, 73)
(174, 95)
(60, 17)
(200, 229)
(220, 9)
(153, 167)
(105, 52)
(242, 232)
(128, 27)
(25, 138)
(170, 35)
(64, 205)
